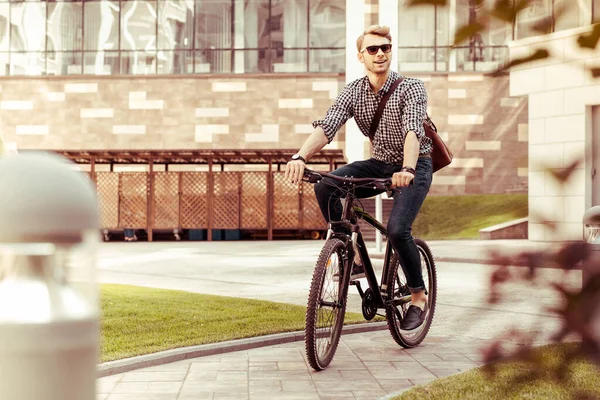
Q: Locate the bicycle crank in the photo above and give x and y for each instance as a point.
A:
(369, 309)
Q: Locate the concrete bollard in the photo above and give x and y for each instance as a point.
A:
(49, 306)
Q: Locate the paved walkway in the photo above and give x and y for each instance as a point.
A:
(367, 365)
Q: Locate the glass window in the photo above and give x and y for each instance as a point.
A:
(481, 59)
(416, 59)
(4, 63)
(4, 26)
(213, 24)
(64, 63)
(251, 33)
(213, 61)
(101, 25)
(101, 63)
(141, 62)
(27, 38)
(576, 13)
(213, 35)
(138, 25)
(328, 60)
(292, 28)
(442, 27)
(65, 26)
(290, 60)
(247, 60)
(442, 58)
(536, 12)
(28, 26)
(327, 24)
(327, 30)
(27, 63)
(484, 51)
(175, 62)
(58, 37)
(288, 29)
(175, 25)
(416, 25)
(416, 37)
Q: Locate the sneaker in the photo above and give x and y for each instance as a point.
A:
(413, 318)
(358, 271)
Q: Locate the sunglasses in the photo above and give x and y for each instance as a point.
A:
(372, 50)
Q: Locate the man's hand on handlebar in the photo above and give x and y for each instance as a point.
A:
(402, 179)
(294, 171)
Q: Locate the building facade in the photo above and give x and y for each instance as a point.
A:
(197, 74)
(564, 132)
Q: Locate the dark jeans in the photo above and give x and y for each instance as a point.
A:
(407, 203)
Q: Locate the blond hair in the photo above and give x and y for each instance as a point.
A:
(383, 31)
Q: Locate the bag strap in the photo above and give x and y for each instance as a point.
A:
(382, 103)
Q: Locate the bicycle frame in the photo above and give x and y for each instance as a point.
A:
(358, 245)
(347, 243)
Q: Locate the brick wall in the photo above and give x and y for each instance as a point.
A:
(486, 129)
(163, 112)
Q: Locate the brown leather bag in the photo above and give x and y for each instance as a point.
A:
(441, 156)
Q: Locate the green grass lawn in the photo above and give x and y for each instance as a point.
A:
(461, 217)
(138, 320)
(582, 377)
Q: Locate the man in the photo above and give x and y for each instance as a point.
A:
(400, 151)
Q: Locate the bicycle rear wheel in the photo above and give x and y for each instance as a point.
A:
(398, 291)
(326, 305)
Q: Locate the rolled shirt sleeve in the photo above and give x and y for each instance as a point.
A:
(337, 114)
(414, 109)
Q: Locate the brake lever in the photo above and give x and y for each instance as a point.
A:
(313, 177)
(388, 190)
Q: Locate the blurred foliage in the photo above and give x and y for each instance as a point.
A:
(579, 310)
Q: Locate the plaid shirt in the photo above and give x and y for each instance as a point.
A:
(405, 111)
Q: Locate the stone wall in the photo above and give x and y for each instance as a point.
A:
(163, 112)
(486, 130)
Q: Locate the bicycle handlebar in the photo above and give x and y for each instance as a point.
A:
(378, 183)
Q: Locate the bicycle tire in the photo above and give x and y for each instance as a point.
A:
(317, 360)
(393, 320)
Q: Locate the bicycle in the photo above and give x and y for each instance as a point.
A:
(332, 278)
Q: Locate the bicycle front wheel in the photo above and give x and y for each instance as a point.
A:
(326, 305)
(400, 295)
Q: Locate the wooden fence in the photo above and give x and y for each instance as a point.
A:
(205, 200)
